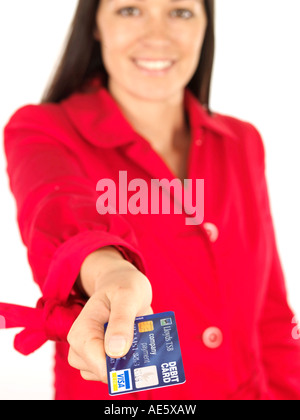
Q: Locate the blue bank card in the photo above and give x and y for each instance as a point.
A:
(154, 360)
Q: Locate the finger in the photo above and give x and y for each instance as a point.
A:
(95, 358)
(119, 335)
(87, 362)
(76, 361)
(86, 339)
(89, 376)
(148, 311)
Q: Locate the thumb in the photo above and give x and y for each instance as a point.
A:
(120, 330)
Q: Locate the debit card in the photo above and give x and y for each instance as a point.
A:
(154, 359)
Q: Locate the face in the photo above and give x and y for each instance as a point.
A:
(151, 48)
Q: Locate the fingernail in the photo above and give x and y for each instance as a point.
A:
(116, 346)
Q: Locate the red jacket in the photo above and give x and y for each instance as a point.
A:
(222, 278)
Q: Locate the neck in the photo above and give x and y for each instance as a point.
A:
(162, 123)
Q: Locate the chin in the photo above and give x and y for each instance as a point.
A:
(150, 93)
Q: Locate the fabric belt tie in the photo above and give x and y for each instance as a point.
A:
(50, 320)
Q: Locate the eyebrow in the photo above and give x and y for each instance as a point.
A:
(173, 1)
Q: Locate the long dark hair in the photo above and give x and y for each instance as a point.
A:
(81, 59)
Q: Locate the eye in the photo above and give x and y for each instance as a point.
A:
(182, 13)
(128, 11)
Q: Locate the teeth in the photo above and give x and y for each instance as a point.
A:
(154, 65)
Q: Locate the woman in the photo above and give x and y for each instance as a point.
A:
(131, 97)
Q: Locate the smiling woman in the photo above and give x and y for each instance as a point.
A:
(82, 50)
(168, 55)
(151, 52)
(129, 105)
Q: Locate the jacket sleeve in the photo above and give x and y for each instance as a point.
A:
(56, 206)
(279, 347)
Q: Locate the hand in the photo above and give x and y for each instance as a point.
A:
(121, 294)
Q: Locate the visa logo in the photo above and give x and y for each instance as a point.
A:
(121, 380)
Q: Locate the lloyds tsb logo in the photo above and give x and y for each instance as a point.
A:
(140, 197)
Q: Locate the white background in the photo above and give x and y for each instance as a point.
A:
(256, 78)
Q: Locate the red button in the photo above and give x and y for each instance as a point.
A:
(199, 142)
(212, 338)
(212, 231)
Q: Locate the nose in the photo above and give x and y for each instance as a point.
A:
(156, 32)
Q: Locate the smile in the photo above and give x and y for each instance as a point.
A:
(154, 66)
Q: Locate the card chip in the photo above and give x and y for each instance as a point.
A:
(146, 326)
